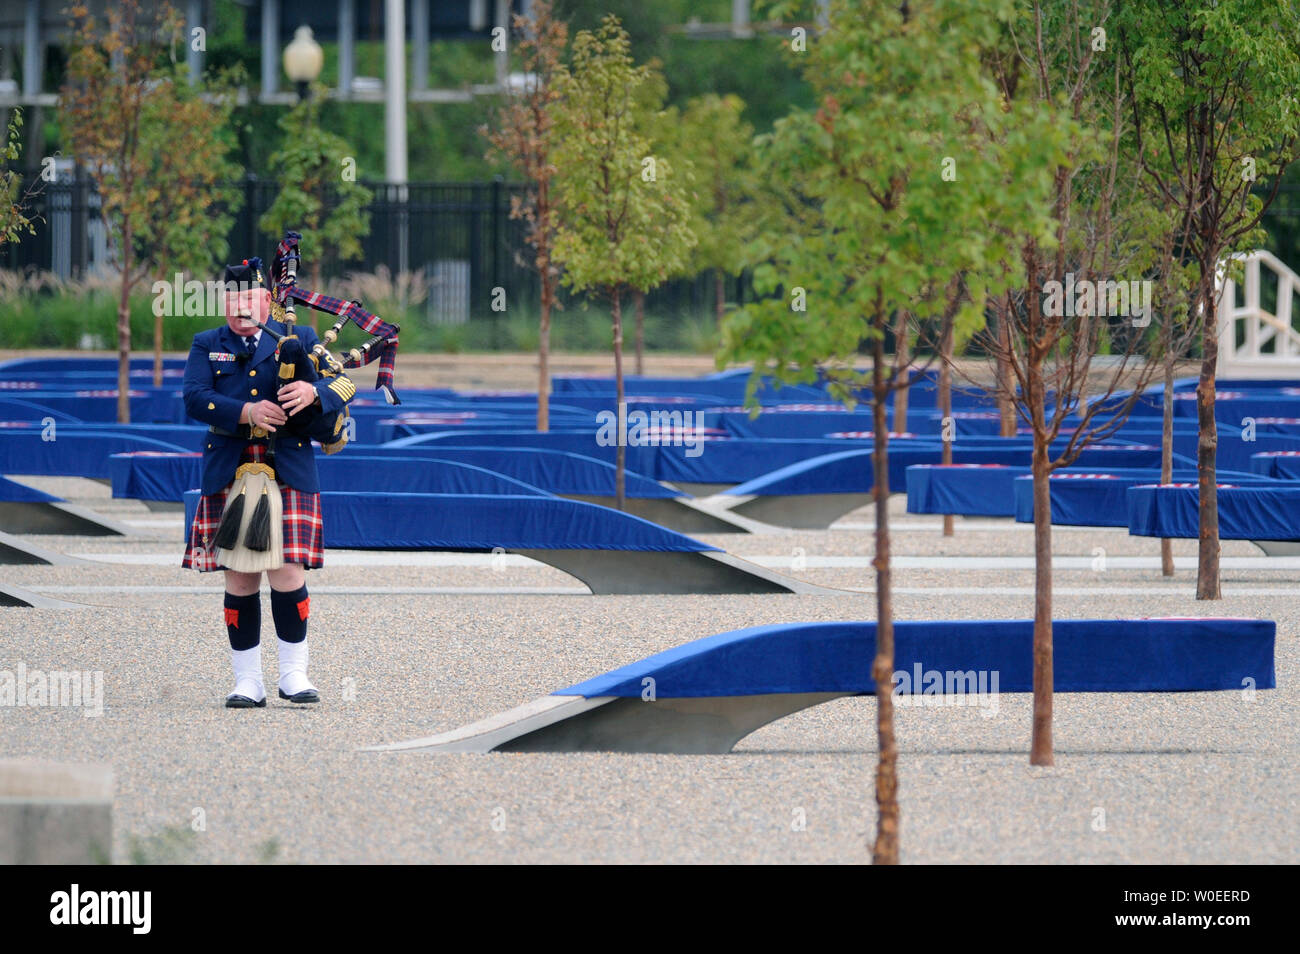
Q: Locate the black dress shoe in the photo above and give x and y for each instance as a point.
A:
(307, 695)
(243, 702)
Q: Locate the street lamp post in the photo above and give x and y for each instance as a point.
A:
(303, 60)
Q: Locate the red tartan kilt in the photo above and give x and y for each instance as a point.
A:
(303, 529)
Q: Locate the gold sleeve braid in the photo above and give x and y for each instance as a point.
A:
(343, 387)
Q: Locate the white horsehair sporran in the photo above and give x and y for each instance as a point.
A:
(257, 538)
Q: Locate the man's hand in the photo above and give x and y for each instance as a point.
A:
(266, 414)
(296, 396)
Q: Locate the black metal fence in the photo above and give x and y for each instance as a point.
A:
(460, 235)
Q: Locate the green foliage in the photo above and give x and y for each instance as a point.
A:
(890, 189)
(623, 222)
(319, 195)
(711, 139)
(13, 220)
(1215, 86)
(156, 148)
(755, 70)
(79, 315)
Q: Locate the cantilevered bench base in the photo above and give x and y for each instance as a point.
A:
(609, 572)
(17, 596)
(610, 551)
(683, 514)
(15, 551)
(1278, 548)
(611, 724)
(705, 696)
(795, 511)
(56, 517)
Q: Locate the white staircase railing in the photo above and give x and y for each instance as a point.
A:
(1258, 327)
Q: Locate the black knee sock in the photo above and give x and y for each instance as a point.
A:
(244, 620)
(289, 610)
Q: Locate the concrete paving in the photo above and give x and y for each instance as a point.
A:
(404, 647)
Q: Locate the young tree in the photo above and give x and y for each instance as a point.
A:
(891, 189)
(155, 149)
(1076, 285)
(952, 338)
(621, 211)
(524, 132)
(319, 193)
(1172, 301)
(719, 144)
(1212, 85)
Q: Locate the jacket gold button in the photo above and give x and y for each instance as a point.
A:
(211, 406)
(252, 374)
(253, 392)
(300, 443)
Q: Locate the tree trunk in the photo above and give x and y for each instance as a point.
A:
(620, 406)
(1005, 385)
(719, 295)
(882, 669)
(1167, 457)
(945, 406)
(902, 359)
(1207, 445)
(640, 331)
(124, 332)
(544, 360)
(1040, 749)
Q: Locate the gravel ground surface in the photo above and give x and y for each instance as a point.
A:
(1188, 777)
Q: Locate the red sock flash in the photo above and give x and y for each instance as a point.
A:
(304, 607)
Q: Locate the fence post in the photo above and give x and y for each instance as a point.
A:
(496, 256)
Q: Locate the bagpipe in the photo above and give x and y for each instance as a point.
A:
(299, 364)
(251, 542)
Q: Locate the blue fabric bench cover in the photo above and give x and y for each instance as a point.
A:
(99, 405)
(13, 492)
(969, 490)
(1233, 453)
(1278, 465)
(168, 476)
(850, 471)
(1101, 655)
(74, 453)
(364, 521)
(16, 410)
(729, 385)
(1092, 499)
(185, 436)
(149, 475)
(721, 461)
(557, 472)
(385, 428)
(1230, 406)
(844, 472)
(1249, 512)
(55, 367)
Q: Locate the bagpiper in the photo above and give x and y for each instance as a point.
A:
(260, 509)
